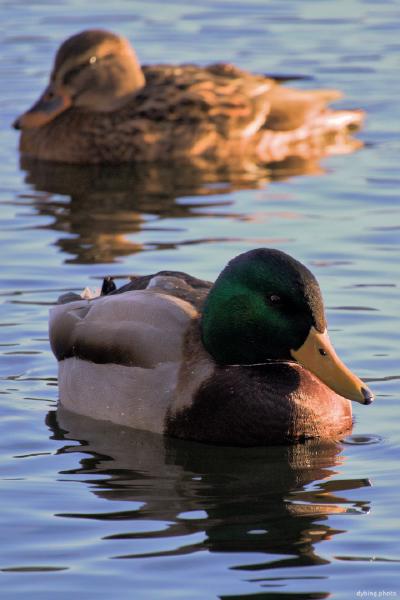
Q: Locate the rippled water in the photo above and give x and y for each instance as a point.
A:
(94, 510)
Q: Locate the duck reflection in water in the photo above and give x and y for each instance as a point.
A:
(274, 501)
(101, 205)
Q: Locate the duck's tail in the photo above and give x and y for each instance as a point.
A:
(337, 120)
(341, 120)
(326, 95)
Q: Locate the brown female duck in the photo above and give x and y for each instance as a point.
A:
(245, 361)
(101, 106)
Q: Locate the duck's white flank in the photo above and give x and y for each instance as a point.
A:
(130, 396)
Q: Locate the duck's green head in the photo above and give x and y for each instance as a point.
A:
(266, 305)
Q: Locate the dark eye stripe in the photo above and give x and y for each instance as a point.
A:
(73, 72)
(76, 70)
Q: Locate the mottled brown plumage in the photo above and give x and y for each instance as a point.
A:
(101, 107)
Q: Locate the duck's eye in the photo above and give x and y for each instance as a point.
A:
(322, 352)
(274, 299)
(92, 59)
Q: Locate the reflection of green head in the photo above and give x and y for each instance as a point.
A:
(262, 305)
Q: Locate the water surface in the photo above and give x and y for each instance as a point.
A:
(94, 510)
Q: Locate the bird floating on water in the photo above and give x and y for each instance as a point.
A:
(244, 361)
(101, 106)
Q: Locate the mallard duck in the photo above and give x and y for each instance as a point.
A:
(244, 361)
(101, 107)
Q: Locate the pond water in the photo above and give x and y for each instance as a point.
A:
(94, 511)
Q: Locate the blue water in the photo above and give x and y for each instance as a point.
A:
(94, 511)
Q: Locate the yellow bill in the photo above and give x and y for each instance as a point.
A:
(318, 356)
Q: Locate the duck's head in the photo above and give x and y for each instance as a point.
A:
(95, 69)
(265, 305)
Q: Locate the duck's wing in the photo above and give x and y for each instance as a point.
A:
(291, 109)
(141, 323)
(222, 97)
(141, 328)
(172, 283)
